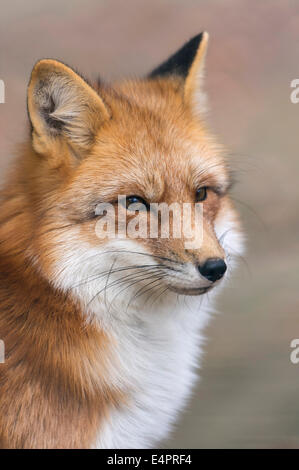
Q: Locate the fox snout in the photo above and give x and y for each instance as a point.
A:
(193, 278)
(210, 261)
(213, 269)
(198, 268)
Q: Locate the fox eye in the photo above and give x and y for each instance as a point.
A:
(136, 203)
(201, 194)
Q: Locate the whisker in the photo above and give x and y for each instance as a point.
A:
(103, 273)
(236, 255)
(159, 295)
(143, 289)
(107, 280)
(114, 283)
(127, 286)
(146, 254)
(137, 253)
(224, 234)
(253, 212)
(135, 280)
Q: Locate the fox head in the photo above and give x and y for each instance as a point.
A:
(128, 147)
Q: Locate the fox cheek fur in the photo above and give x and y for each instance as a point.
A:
(101, 348)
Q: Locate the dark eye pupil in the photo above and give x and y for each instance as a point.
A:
(201, 194)
(133, 200)
(136, 200)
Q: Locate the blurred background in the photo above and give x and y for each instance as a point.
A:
(248, 395)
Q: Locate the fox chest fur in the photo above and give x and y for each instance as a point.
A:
(103, 326)
(158, 364)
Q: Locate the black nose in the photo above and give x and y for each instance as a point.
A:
(213, 269)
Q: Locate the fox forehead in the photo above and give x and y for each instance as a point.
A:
(153, 145)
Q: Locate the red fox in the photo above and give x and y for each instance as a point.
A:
(102, 334)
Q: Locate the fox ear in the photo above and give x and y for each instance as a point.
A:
(62, 106)
(188, 64)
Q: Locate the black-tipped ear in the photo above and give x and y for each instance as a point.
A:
(188, 64)
(180, 62)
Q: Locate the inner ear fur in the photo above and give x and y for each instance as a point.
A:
(63, 106)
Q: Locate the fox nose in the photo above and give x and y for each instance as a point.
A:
(213, 269)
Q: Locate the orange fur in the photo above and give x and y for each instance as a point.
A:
(138, 137)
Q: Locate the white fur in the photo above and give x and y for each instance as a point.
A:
(157, 343)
